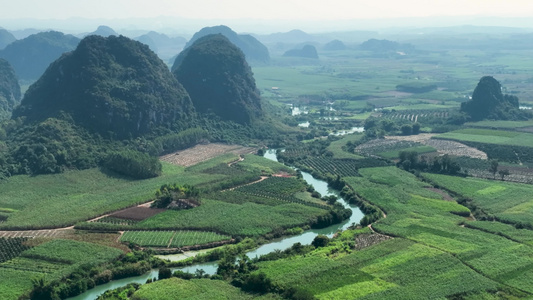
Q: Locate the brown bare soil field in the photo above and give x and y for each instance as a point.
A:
(368, 239)
(137, 213)
(199, 153)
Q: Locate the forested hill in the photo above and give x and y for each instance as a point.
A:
(219, 80)
(111, 84)
(9, 89)
(488, 102)
(32, 55)
(254, 50)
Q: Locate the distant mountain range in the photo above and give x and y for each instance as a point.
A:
(6, 38)
(32, 55)
(254, 50)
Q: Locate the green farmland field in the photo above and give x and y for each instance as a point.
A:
(53, 260)
(501, 124)
(488, 136)
(430, 256)
(417, 149)
(171, 238)
(175, 288)
(57, 200)
(507, 201)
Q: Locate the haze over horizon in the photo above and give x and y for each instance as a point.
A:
(261, 17)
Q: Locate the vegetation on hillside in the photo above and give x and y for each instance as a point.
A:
(9, 90)
(113, 86)
(216, 75)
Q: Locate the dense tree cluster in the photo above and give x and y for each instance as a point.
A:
(375, 127)
(411, 161)
(168, 193)
(134, 164)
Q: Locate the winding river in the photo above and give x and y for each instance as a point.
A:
(282, 243)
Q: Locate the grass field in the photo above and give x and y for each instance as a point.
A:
(52, 260)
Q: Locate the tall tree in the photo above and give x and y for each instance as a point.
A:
(493, 167)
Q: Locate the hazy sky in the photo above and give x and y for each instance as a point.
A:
(264, 9)
(264, 16)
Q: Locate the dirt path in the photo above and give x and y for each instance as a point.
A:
(241, 158)
(249, 183)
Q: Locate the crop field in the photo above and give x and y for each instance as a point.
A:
(505, 230)
(506, 201)
(396, 143)
(61, 200)
(171, 239)
(393, 269)
(436, 223)
(201, 153)
(487, 136)
(247, 219)
(417, 149)
(176, 288)
(11, 248)
(267, 166)
(275, 189)
(498, 124)
(431, 254)
(341, 167)
(53, 260)
(336, 147)
(116, 221)
(137, 213)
